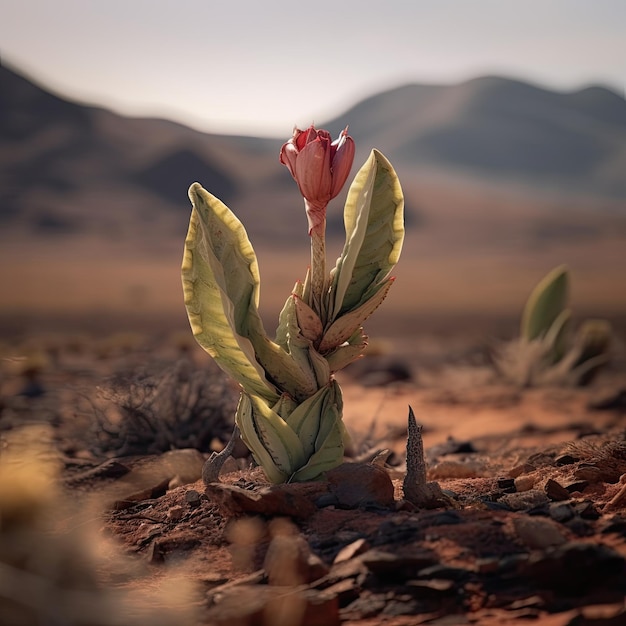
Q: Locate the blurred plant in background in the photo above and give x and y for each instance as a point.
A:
(547, 352)
(53, 563)
(290, 408)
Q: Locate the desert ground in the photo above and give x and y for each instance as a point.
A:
(108, 414)
(108, 411)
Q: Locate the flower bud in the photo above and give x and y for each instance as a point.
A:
(319, 165)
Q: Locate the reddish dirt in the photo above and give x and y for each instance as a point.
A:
(534, 528)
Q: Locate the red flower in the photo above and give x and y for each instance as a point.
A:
(319, 165)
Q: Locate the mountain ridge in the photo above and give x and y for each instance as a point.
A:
(69, 167)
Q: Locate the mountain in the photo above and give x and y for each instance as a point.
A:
(499, 128)
(70, 168)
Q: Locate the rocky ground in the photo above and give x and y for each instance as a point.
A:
(105, 519)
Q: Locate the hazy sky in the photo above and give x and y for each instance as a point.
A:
(261, 66)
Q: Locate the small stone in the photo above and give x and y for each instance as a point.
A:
(387, 565)
(507, 485)
(566, 459)
(524, 500)
(361, 484)
(590, 473)
(577, 487)
(356, 547)
(287, 500)
(524, 483)
(524, 468)
(555, 491)
(444, 572)
(561, 512)
(538, 533)
(251, 604)
(175, 514)
(192, 498)
(487, 565)
(587, 510)
(456, 469)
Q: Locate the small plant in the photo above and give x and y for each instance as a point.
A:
(290, 407)
(546, 353)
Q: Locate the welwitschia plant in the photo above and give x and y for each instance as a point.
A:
(546, 353)
(290, 409)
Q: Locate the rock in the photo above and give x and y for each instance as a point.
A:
(170, 547)
(587, 510)
(361, 485)
(561, 512)
(538, 533)
(566, 459)
(524, 468)
(355, 548)
(252, 605)
(192, 498)
(524, 483)
(555, 491)
(524, 500)
(577, 486)
(456, 469)
(289, 500)
(507, 485)
(175, 514)
(390, 566)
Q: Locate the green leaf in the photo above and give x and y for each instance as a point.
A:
(247, 427)
(287, 317)
(374, 222)
(273, 442)
(210, 307)
(545, 303)
(306, 419)
(329, 443)
(557, 336)
(347, 324)
(220, 271)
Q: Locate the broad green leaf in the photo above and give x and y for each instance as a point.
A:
(274, 443)
(306, 418)
(211, 310)
(329, 442)
(245, 420)
(545, 304)
(557, 336)
(374, 222)
(223, 255)
(348, 323)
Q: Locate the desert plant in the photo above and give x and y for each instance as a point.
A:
(166, 406)
(290, 407)
(546, 352)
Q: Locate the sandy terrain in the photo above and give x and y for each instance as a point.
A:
(532, 527)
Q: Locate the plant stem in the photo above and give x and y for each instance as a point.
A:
(318, 269)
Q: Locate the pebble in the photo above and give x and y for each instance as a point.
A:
(456, 469)
(524, 500)
(561, 512)
(175, 514)
(538, 533)
(524, 483)
(192, 498)
(555, 491)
